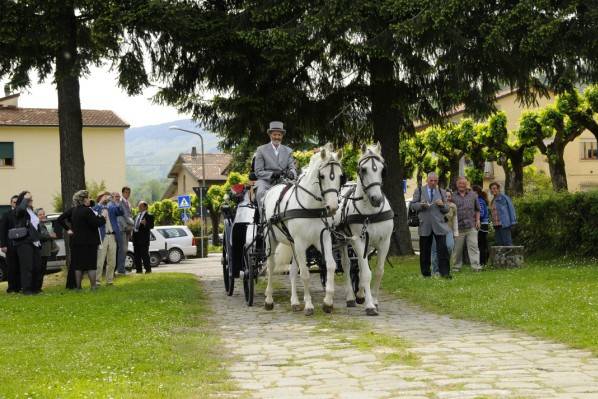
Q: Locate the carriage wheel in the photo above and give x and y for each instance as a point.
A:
(249, 278)
(227, 271)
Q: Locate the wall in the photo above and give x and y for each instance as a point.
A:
(37, 161)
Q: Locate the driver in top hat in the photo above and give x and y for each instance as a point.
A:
(273, 160)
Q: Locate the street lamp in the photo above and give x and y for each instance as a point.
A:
(203, 171)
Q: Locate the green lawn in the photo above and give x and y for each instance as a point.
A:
(145, 337)
(557, 299)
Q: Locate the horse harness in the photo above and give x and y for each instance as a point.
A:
(279, 217)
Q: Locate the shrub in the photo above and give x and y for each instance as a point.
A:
(563, 223)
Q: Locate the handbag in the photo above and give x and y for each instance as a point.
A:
(18, 233)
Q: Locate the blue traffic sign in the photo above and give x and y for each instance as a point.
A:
(185, 218)
(184, 201)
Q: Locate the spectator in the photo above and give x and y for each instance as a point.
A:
(27, 248)
(429, 202)
(48, 246)
(503, 216)
(483, 232)
(144, 222)
(108, 233)
(468, 216)
(13, 274)
(125, 224)
(84, 237)
(451, 219)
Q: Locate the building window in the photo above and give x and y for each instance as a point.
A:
(589, 150)
(7, 154)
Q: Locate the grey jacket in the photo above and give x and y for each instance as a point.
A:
(431, 219)
(267, 162)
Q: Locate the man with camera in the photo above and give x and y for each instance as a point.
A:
(273, 161)
(429, 202)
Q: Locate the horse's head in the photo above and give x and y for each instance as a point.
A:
(326, 166)
(371, 170)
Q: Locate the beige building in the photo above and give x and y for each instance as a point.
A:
(187, 172)
(581, 155)
(30, 151)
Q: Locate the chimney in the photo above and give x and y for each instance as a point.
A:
(194, 152)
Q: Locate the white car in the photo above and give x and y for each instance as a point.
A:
(169, 243)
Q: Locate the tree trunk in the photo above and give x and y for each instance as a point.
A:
(386, 123)
(516, 177)
(70, 125)
(454, 170)
(215, 218)
(420, 176)
(556, 165)
(508, 176)
(479, 165)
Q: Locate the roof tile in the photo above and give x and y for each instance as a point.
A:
(12, 116)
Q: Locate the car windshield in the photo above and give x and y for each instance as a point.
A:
(173, 232)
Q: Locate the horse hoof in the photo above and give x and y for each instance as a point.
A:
(268, 306)
(371, 312)
(360, 301)
(351, 304)
(297, 308)
(327, 308)
(309, 311)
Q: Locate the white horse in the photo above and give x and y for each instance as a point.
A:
(301, 218)
(367, 217)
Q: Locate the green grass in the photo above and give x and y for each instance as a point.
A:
(145, 337)
(556, 299)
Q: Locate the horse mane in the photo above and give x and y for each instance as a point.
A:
(311, 174)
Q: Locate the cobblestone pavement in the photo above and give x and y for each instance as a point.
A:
(280, 354)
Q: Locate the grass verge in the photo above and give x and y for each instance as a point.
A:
(144, 337)
(556, 299)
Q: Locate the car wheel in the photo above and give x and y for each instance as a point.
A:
(129, 261)
(155, 259)
(175, 255)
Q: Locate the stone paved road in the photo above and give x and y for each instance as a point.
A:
(280, 354)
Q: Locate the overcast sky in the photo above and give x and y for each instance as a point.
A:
(100, 91)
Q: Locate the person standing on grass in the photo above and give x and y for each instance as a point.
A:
(108, 233)
(84, 237)
(503, 216)
(13, 276)
(48, 246)
(144, 223)
(483, 232)
(125, 224)
(429, 202)
(451, 220)
(468, 216)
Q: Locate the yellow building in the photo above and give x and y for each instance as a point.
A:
(581, 155)
(30, 151)
(187, 173)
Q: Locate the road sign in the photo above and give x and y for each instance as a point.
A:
(184, 217)
(184, 201)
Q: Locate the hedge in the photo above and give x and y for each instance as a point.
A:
(563, 223)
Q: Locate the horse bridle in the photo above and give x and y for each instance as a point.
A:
(362, 162)
(332, 176)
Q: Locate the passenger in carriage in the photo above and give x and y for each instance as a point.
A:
(273, 161)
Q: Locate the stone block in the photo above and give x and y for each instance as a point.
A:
(506, 257)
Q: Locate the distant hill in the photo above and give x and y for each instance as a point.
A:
(151, 150)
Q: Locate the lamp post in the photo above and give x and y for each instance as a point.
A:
(203, 172)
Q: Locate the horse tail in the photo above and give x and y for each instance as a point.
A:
(282, 258)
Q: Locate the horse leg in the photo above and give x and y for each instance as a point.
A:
(346, 262)
(330, 269)
(300, 257)
(365, 277)
(270, 265)
(293, 272)
(382, 253)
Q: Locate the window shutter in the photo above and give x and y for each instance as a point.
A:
(7, 150)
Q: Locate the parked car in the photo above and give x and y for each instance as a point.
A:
(170, 244)
(412, 230)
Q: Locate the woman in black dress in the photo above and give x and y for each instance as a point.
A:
(84, 237)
